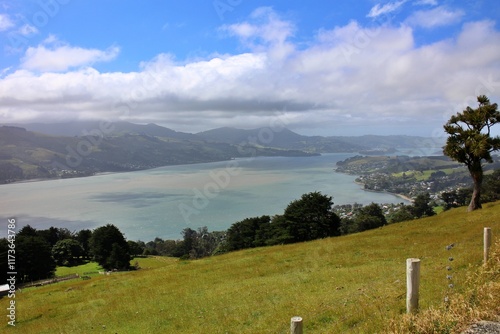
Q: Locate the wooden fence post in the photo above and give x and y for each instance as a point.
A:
(487, 243)
(296, 325)
(412, 284)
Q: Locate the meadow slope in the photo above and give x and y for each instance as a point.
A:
(350, 284)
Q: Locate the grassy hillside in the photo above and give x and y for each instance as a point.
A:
(350, 284)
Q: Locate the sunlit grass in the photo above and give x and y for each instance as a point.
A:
(350, 284)
(92, 268)
(84, 269)
(425, 175)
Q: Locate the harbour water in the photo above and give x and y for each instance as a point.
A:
(162, 202)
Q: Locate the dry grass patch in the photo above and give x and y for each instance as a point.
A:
(480, 300)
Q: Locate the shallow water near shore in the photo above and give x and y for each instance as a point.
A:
(162, 202)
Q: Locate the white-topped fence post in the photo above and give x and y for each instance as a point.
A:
(487, 243)
(412, 284)
(296, 325)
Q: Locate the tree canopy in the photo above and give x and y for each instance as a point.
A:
(33, 258)
(67, 252)
(308, 218)
(311, 217)
(365, 218)
(422, 206)
(369, 217)
(470, 141)
(109, 248)
(243, 234)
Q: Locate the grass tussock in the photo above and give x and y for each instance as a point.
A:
(480, 300)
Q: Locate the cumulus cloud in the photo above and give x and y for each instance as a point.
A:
(348, 76)
(53, 55)
(436, 17)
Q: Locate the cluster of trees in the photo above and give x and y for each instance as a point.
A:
(308, 218)
(490, 192)
(363, 218)
(423, 206)
(358, 218)
(194, 244)
(38, 252)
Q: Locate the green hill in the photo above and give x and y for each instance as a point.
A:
(350, 284)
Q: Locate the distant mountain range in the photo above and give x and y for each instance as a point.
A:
(287, 139)
(39, 150)
(80, 128)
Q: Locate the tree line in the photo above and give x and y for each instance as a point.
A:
(311, 217)
(38, 252)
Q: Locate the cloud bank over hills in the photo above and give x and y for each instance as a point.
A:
(374, 74)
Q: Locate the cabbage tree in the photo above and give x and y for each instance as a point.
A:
(470, 141)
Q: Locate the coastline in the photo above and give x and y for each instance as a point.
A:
(406, 198)
(102, 173)
(32, 180)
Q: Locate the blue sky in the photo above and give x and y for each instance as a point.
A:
(339, 68)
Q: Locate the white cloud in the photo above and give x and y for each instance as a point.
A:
(27, 30)
(346, 77)
(265, 30)
(436, 17)
(426, 2)
(390, 7)
(5, 22)
(55, 56)
(5, 71)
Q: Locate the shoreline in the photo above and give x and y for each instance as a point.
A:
(104, 173)
(406, 198)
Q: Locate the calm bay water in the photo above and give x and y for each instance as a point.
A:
(162, 202)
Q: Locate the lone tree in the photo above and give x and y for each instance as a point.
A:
(470, 141)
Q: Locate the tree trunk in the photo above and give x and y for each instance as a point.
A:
(476, 171)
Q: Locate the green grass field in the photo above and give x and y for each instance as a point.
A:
(350, 284)
(89, 269)
(425, 175)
